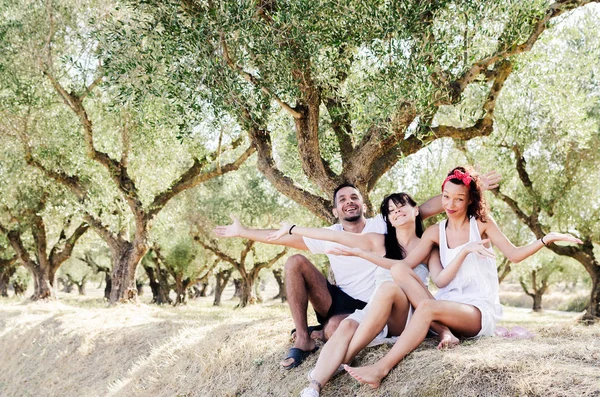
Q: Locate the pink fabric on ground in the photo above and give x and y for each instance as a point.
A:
(515, 333)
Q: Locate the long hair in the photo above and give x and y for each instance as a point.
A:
(393, 249)
(477, 208)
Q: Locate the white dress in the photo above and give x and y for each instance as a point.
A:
(476, 282)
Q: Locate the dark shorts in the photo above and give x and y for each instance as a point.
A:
(341, 303)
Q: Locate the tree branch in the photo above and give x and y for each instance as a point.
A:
(193, 177)
(255, 81)
(285, 185)
(58, 257)
(539, 26)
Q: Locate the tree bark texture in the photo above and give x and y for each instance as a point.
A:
(221, 280)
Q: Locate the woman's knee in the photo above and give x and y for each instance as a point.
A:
(400, 273)
(391, 291)
(348, 325)
(429, 307)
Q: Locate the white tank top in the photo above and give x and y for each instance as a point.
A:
(476, 282)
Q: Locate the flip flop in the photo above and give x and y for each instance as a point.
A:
(298, 355)
(311, 328)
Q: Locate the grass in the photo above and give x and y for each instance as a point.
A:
(80, 347)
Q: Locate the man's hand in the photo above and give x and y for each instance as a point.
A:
(490, 180)
(233, 230)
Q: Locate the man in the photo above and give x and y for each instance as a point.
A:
(354, 276)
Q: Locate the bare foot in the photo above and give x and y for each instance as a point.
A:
(447, 340)
(370, 375)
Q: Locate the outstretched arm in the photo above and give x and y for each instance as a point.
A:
(368, 241)
(517, 254)
(236, 229)
(433, 206)
(416, 256)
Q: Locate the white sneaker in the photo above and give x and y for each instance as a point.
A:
(309, 392)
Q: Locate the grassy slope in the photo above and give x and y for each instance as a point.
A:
(80, 347)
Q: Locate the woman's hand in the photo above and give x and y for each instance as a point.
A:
(554, 237)
(344, 251)
(283, 230)
(478, 247)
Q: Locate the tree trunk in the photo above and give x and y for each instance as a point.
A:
(247, 293)
(108, 286)
(593, 311)
(125, 261)
(67, 284)
(19, 288)
(5, 276)
(81, 287)
(181, 286)
(278, 273)
(158, 285)
(221, 280)
(43, 286)
(139, 286)
(537, 301)
(237, 283)
(203, 289)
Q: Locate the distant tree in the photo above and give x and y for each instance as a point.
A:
(247, 266)
(92, 261)
(221, 279)
(278, 274)
(8, 268)
(33, 253)
(50, 49)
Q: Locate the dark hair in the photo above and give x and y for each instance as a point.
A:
(477, 208)
(340, 187)
(393, 249)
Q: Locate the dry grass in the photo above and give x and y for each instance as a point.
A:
(80, 347)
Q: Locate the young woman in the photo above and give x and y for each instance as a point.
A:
(387, 311)
(467, 302)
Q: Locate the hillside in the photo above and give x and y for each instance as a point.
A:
(81, 347)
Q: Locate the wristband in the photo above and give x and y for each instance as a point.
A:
(542, 239)
(293, 226)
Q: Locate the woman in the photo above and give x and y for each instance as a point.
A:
(387, 312)
(467, 302)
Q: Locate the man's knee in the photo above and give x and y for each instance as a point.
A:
(295, 264)
(332, 325)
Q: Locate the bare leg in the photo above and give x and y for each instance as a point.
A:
(416, 293)
(333, 353)
(388, 306)
(464, 319)
(332, 324)
(304, 283)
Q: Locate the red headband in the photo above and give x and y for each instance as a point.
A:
(464, 177)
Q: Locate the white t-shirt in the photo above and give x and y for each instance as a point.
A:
(355, 276)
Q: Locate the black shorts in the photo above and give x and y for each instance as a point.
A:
(341, 303)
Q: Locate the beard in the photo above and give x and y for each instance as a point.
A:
(354, 218)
